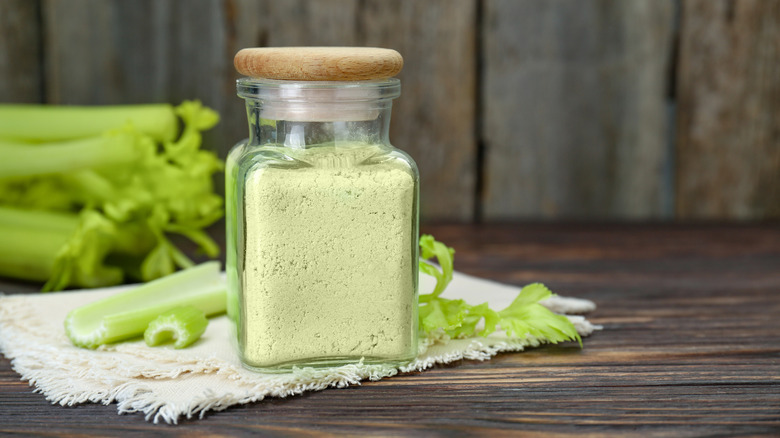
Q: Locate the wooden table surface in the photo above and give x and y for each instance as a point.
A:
(690, 347)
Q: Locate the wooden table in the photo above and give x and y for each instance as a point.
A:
(691, 346)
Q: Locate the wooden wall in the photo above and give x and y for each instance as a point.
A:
(728, 138)
(513, 109)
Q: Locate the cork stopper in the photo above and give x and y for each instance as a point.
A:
(319, 63)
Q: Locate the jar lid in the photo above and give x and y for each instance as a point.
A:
(319, 63)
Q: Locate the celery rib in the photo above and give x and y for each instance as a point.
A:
(183, 324)
(66, 248)
(45, 123)
(62, 157)
(38, 219)
(28, 253)
(128, 314)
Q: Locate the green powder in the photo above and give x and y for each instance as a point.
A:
(328, 269)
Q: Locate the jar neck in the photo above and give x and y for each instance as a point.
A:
(299, 114)
(273, 123)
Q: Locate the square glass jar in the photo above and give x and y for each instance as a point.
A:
(322, 221)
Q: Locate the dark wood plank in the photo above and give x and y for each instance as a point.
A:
(691, 347)
(116, 52)
(729, 110)
(434, 119)
(574, 115)
(20, 52)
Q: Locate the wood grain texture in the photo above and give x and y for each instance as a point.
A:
(318, 63)
(574, 110)
(434, 119)
(20, 52)
(690, 348)
(729, 110)
(112, 52)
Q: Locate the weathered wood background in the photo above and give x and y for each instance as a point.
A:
(513, 109)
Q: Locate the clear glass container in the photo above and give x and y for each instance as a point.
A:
(322, 227)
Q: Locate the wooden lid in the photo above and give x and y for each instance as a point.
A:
(319, 63)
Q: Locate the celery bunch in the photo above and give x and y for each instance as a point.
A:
(90, 195)
(458, 319)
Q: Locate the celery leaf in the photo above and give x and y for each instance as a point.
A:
(524, 318)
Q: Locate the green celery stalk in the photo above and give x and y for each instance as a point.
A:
(184, 324)
(29, 253)
(80, 260)
(133, 238)
(62, 157)
(38, 219)
(46, 123)
(66, 248)
(36, 254)
(128, 314)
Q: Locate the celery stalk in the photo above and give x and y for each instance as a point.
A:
(184, 324)
(80, 260)
(66, 248)
(23, 160)
(89, 185)
(29, 253)
(128, 314)
(43, 123)
(36, 254)
(38, 219)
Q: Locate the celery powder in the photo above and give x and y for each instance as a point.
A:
(328, 258)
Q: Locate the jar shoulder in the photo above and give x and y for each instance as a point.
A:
(403, 157)
(246, 158)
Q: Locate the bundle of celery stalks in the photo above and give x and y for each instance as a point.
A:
(90, 196)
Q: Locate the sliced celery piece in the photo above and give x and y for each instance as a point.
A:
(184, 324)
(128, 314)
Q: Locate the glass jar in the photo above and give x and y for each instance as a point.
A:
(322, 227)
